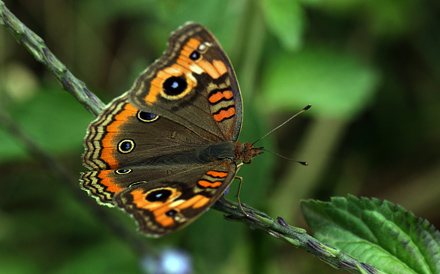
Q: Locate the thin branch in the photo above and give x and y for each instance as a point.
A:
(36, 46)
(256, 219)
(294, 235)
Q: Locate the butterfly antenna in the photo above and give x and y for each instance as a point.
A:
(284, 157)
(282, 124)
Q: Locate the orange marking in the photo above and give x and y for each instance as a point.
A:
(195, 202)
(106, 181)
(160, 216)
(140, 201)
(182, 67)
(176, 70)
(217, 174)
(107, 156)
(184, 63)
(216, 97)
(164, 220)
(193, 43)
(112, 130)
(158, 208)
(209, 68)
(156, 85)
(186, 50)
(179, 69)
(224, 114)
(184, 70)
(203, 201)
(220, 66)
(184, 57)
(163, 209)
(113, 127)
(189, 202)
(206, 184)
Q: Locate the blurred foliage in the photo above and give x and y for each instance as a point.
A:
(371, 70)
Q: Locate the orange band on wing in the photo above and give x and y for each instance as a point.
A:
(181, 68)
(224, 114)
(201, 202)
(139, 199)
(165, 220)
(157, 83)
(217, 174)
(108, 144)
(192, 43)
(106, 181)
(209, 68)
(159, 209)
(219, 95)
(206, 184)
(220, 66)
(195, 202)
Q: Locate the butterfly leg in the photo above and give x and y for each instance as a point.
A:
(238, 196)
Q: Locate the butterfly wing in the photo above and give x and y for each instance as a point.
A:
(161, 198)
(193, 84)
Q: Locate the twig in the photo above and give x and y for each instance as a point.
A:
(256, 219)
(296, 236)
(36, 46)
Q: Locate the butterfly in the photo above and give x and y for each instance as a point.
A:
(166, 150)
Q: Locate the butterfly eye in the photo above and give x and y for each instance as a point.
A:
(126, 146)
(174, 86)
(195, 55)
(122, 171)
(147, 117)
(160, 195)
(171, 213)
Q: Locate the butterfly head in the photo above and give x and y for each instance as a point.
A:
(246, 152)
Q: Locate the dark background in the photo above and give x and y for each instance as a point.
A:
(371, 70)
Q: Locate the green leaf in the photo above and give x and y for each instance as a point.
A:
(376, 232)
(285, 19)
(337, 84)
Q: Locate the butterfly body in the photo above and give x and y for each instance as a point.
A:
(167, 149)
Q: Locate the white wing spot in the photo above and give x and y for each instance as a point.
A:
(192, 78)
(196, 69)
(176, 203)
